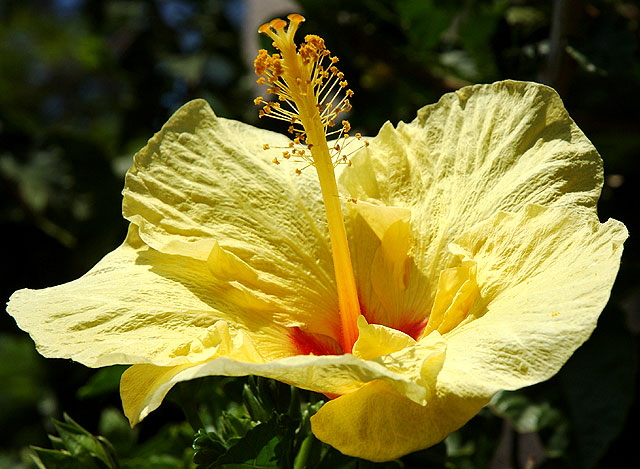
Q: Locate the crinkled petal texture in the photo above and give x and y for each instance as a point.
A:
(482, 149)
(479, 215)
(540, 297)
(502, 187)
(205, 188)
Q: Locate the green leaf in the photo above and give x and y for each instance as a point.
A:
(83, 445)
(525, 415)
(258, 448)
(57, 442)
(233, 425)
(254, 404)
(208, 447)
(54, 459)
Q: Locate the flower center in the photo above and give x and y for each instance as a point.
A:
(306, 79)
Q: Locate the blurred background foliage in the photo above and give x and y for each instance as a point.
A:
(84, 84)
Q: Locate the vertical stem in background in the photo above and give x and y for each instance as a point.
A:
(565, 19)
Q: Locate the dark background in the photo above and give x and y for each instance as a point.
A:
(84, 84)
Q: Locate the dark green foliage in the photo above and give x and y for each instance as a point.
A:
(75, 445)
(273, 431)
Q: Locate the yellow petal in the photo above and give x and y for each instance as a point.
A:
(457, 291)
(144, 386)
(544, 274)
(392, 290)
(140, 306)
(135, 384)
(227, 266)
(378, 424)
(381, 217)
(482, 149)
(203, 183)
(375, 340)
(410, 368)
(390, 264)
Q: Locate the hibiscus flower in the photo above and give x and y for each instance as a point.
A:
(449, 258)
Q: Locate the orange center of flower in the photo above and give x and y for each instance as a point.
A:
(311, 92)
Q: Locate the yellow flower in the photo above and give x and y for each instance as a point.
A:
(457, 255)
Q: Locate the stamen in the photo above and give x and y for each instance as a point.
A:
(308, 75)
(307, 85)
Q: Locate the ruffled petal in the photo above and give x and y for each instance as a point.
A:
(140, 306)
(456, 294)
(411, 371)
(375, 340)
(479, 150)
(378, 424)
(205, 183)
(544, 275)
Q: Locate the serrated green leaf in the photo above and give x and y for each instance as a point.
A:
(254, 404)
(259, 448)
(208, 447)
(55, 459)
(56, 442)
(82, 444)
(233, 426)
